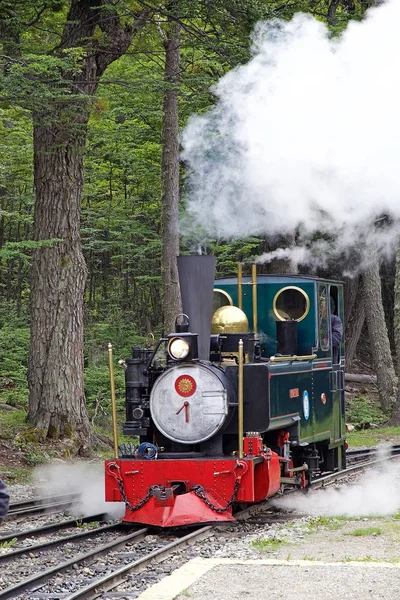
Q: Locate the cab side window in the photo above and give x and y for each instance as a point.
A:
(323, 317)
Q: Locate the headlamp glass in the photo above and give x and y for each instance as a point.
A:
(178, 348)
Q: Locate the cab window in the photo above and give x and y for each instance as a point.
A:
(291, 303)
(323, 314)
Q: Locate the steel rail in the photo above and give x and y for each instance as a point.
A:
(45, 500)
(33, 581)
(38, 509)
(338, 475)
(355, 452)
(112, 580)
(21, 535)
(76, 537)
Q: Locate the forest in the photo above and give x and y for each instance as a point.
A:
(97, 101)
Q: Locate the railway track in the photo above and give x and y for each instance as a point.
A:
(48, 529)
(358, 460)
(364, 454)
(89, 566)
(106, 565)
(41, 506)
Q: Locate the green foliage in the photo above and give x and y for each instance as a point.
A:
(97, 391)
(361, 412)
(14, 341)
(18, 249)
(34, 457)
(229, 254)
(35, 81)
(121, 210)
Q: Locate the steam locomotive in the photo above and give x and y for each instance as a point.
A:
(228, 414)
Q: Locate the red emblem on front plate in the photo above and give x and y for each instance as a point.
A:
(185, 386)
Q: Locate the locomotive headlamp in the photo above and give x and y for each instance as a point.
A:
(178, 348)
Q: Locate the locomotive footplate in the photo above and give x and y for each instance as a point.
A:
(189, 491)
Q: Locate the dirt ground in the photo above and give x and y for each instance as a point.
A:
(11, 458)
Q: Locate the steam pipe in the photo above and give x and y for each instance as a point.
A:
(292, 358)
(240, 289)
(254, 284)
(113, 401)
(240, 399)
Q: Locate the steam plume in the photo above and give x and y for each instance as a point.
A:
(305, 137)
(86, 479)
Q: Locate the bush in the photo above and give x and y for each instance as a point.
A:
(362, 412)
(14, 343)
(98, 391)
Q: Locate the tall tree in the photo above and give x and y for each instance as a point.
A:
(354, 311)
(170, 169)
(395, 418)
(378, 336)
(95, 35)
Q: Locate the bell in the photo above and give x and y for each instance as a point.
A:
(229, 319)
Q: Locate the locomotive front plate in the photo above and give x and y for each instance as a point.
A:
(189, 404)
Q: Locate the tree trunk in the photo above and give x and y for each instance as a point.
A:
(57, 400)
(358, 378)
(170, 180)
(395, 418)
(378, 336)
(333, 6)
(56, 393)
(355, 317)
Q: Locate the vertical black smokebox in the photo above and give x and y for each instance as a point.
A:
(196, 279)
(286, 336)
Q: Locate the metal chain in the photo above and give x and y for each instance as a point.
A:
(141, 502)
(199, 491)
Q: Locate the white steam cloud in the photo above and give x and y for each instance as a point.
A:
(377, 493)
(305, 137)
(86, 479)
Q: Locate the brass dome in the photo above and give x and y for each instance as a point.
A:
(229, 319)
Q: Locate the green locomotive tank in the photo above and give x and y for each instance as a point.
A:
(297, 325)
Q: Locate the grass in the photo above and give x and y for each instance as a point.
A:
(330, 523)
(369, 558)
(373, 437)
(82, 525)
(268, 545)
(366, 559)
(12, 422)
(365, 531)
(8, 544)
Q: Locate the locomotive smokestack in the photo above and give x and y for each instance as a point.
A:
(196, 278)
